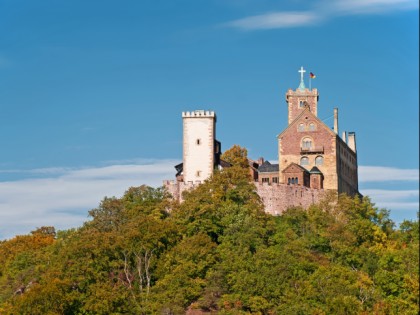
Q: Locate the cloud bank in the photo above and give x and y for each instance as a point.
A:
(387, 174)
(62, 197)
(321, 11)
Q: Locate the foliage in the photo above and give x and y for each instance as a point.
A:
(237, 156)
(216, 252)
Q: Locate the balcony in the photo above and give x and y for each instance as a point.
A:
(312, 150)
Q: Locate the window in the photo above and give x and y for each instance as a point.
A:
(319, 160)
(198, 173)
(312, 127)
(301, 127)
(306, 143)
(304, 161)
(301, 104)
(198, 141)
(265, 180)
(275, 179)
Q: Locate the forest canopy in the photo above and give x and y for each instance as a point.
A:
(215, 253)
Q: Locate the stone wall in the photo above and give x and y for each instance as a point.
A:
(176, 188)
(276, 197)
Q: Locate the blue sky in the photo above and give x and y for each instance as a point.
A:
(91, 93)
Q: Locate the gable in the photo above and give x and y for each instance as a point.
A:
(294, 168)
(320, 125)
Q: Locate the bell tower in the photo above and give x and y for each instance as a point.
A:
(300, 99)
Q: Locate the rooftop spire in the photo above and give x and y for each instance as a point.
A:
(302, 84)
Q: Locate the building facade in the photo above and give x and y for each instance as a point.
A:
(308, 142)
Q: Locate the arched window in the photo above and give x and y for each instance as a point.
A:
(296, 180)
(319, 160)
(301, 127)
(288, 181)
(312, 127)
(301, 104)
(306, 143)
(304, 161)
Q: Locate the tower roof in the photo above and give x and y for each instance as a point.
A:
(315, 170)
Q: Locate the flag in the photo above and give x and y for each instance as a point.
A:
(312, 76)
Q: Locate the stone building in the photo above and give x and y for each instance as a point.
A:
(312, 158)
(327, 161)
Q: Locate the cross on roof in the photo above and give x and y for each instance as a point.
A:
(301, 73)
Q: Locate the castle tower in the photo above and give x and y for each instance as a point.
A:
(308, 142)
(301, 99)
(200, 148)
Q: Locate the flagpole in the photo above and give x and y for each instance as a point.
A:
(310, 80)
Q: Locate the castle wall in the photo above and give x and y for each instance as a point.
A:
(176, 188)
(276, 197)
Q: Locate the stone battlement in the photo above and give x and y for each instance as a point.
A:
(198, 114)
(298, 92)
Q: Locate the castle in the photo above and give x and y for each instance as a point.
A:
(312, 158)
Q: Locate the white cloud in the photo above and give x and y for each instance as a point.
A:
(63, 198)
(394, 199)
(322, 10)
(275, 20)
(386, 174)
(373, 6)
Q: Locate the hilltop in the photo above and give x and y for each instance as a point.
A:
(217, 252)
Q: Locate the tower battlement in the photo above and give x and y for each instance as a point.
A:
(199, 114)
(299, 92)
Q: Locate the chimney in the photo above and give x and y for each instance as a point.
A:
(344, 137)
(352, 141)
(336, 120)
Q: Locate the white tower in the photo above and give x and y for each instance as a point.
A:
(199, 144)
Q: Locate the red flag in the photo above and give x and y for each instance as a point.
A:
(312, 76)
